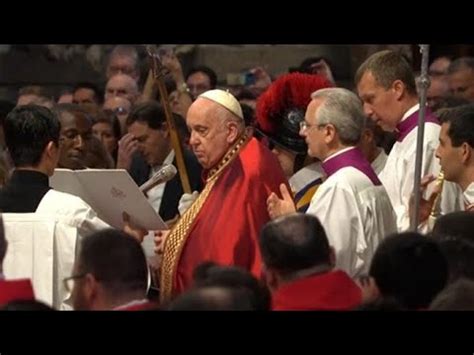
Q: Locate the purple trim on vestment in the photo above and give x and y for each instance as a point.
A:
(411, 122)
(354, 158)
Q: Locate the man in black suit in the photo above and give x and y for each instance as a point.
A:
(146, 148)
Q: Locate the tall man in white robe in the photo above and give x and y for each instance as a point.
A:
(386, 85)
(351, 203)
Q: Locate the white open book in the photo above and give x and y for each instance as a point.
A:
(109, 192)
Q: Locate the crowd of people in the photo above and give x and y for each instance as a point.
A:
(301, 190)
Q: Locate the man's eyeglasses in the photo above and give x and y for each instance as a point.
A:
(305, 125)
(120, 111)
(69, 281)
(117, 111)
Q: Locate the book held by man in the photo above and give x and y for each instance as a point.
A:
(110, 192)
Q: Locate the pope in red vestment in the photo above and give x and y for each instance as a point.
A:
(226, 227)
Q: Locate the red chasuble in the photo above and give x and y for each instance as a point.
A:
(226, 228)
(330, 291)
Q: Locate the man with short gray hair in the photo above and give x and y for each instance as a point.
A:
(351, 203)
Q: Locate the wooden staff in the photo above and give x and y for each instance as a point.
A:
(158, 72)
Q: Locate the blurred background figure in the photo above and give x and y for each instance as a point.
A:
(461, 78)
(122, 85)
(106, 127)
(200, 79)
(123, 60)
(65, 96)
(121, 107)
(87, 93)
(36, 95)
(316, 65)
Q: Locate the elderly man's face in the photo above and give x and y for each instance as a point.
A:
(121, 64)
(122, 86)
(313, 133)
(210, 134)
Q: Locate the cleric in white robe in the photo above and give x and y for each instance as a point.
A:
(386, 85)
(351, 203)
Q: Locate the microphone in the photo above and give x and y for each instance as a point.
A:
(165, 174)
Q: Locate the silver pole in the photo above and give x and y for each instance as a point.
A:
(424, 84)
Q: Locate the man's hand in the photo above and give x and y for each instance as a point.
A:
(425, 205)
(171, 62)
(369, 289)
(278, 207)
(160, 237)
(127, 146)
(128, 227)
(186, 201)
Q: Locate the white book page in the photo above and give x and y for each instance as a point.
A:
(110, 192)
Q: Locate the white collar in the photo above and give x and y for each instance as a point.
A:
(468, 194)
(410, 112)
(339, 152)
(168, 160)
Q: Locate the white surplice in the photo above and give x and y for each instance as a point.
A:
(399, 172)
(356, 215)
(379, 163)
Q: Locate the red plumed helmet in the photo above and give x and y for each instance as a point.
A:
(281, 108)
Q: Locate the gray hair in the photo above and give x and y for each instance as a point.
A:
(126, 51)
(343, 109)
(461, 64)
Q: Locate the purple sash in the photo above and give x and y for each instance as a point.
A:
(411, 122)
(354, 158)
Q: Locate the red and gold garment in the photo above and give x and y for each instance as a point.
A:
(224, 223)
